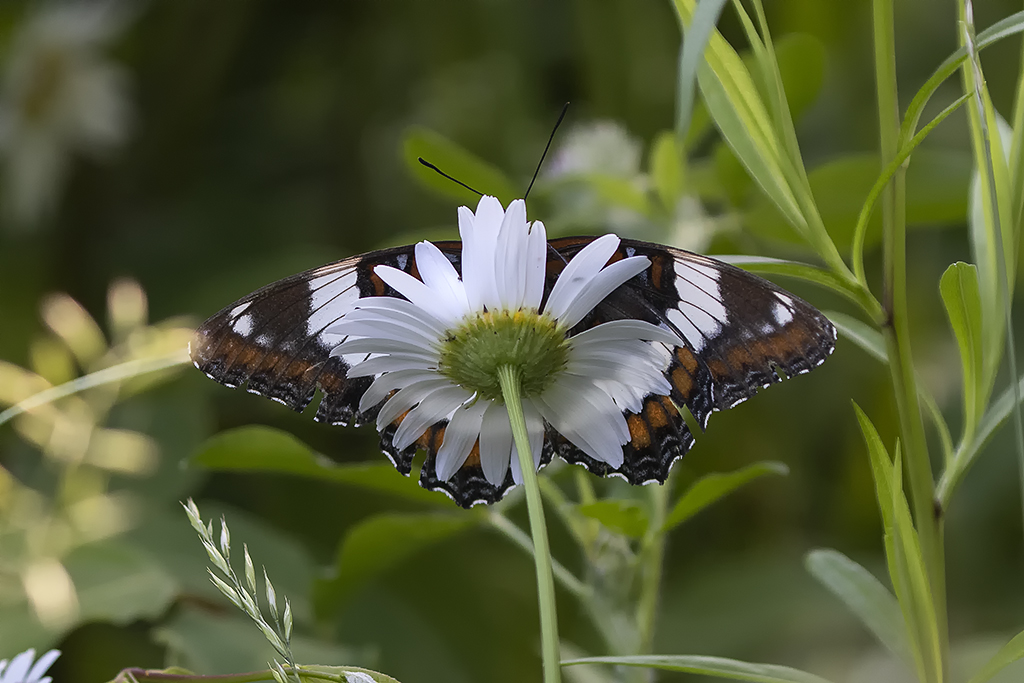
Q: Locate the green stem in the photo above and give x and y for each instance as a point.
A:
(895, 324)
(652, 563)
(509, 378)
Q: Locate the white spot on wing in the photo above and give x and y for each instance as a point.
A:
(239, 309)
(702, 292)
(243, 325)
(332, 296)
(782, 314)
(687, 329)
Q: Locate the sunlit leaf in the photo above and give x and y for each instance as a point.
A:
(719, 667)
(712, 487)
(959, 289)
(256, 448)
(863, 594)
(1008, 654)
(621, 516)
(695, 39)
(903, 555)
(456, 161)
(380, 543)
(667, 169)
(736, 108)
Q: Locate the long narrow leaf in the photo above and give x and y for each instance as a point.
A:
(864, 595)
(695, 39)
(719, 667)
(712, 487)
(959, 289)
(1004, 28)
(882, 473)
(1008, 654)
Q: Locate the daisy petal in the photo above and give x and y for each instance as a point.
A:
(389, 381)
(44, 663)
(440, 275)
(442, 308)
(510, 256)
(406, 398)
(438, 406)
(536, 262)
(19, 666)
(377, 327)
(495, 443)
(602, 284)
(393, 306)
(370, 345)
(627, 329)
(459, 436)
(535, 430)
(479, 238)
(587, 416)
(578, 273)
(390, 363)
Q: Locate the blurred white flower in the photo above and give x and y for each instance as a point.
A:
(60, 96)
(20, 670)
(601, 147)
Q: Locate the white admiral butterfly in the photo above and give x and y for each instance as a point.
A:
(739, 331)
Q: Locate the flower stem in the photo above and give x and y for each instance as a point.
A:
(508, 376)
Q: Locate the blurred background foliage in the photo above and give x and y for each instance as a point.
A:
(161, 159)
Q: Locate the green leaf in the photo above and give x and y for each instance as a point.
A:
(621, 516)
(735, 106)
(960, 294)
(712, 487)
(903, 556)
(860, 333)
(718, 667)
(667, 169)
(994, 418)
(213, 643)
(864, 595)
(256, 448)
(379, 543)
(695, 39)
(1008, 654)
(119, 583)
(456, 161)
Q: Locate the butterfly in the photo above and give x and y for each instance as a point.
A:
(741, 333)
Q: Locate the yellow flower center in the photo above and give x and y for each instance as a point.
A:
(530, 342)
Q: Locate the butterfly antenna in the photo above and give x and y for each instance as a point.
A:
(454, 180)
(565, 107)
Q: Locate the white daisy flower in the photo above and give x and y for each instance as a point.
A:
(435, 354)
(21, 670)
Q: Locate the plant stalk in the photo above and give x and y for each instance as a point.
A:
(895, 325)
(653, 560)
(509, 379)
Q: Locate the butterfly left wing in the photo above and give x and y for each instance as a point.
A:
(276, 343)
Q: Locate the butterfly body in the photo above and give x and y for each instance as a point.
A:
(738, 331)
